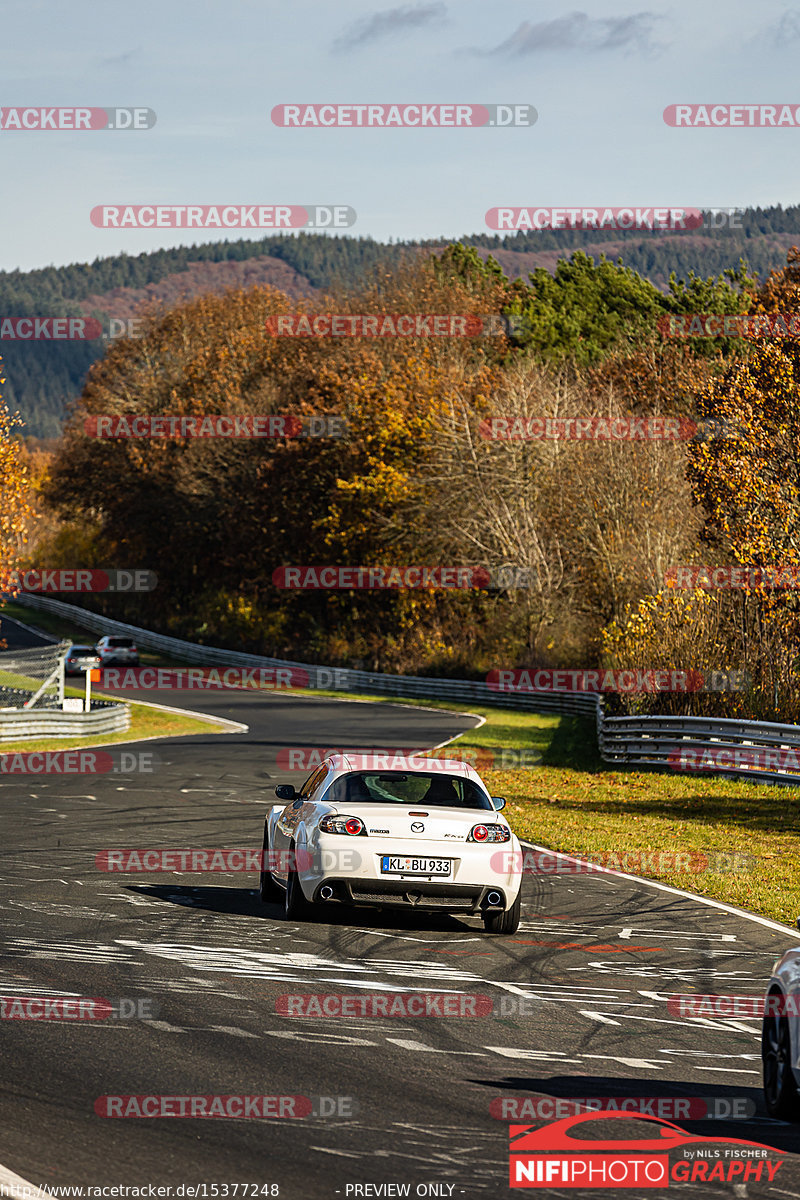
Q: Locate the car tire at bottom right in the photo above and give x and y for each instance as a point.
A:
(780, 1040)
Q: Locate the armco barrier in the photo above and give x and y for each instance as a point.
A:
(631, 741)
(321, 678)
(650, 741)
(105, 717)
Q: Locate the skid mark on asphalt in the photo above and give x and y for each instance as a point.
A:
(554, 1059)
(66, 951)
(386, 935)
(469, 953)
(654, 971)
(467, 1156)
(609, 949)
(595, 1003)
(294, 966)
(65, 910)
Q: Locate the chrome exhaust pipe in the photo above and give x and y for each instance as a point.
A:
(326, 892)
(494, 898)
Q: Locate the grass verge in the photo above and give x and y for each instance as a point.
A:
(574, 803)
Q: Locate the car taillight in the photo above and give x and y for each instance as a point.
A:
(489, 833)
(341, 824)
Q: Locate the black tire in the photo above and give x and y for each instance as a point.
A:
(295, 905)
(268, 889)
(780, 1088)
(504, 922)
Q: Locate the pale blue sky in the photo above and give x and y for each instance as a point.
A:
(599, 75)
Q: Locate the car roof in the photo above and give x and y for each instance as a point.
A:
(387, 762)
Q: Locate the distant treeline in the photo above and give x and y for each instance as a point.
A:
(42, 378)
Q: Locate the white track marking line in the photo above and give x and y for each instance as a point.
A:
(729, 1070)
(587, 1012)
(663, 887)
(15, 1185)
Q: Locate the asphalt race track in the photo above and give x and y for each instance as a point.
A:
(591, 966)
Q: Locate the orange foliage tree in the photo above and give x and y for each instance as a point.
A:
(15, 505)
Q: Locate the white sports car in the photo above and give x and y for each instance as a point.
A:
(417, 832)
(780, 1038)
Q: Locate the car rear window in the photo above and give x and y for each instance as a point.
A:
(121, 643)
(409, 788)
(82, 650)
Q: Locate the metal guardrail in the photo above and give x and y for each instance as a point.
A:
(773, 750)
(320, 678)
(632, 741)
(105, 717)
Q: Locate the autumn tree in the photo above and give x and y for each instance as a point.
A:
(214, 518)
(14, 493)
(747, 489)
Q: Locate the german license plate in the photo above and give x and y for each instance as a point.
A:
(392, 865)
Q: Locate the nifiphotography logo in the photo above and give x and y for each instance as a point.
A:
(566, 1154)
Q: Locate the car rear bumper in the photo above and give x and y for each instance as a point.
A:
(445, 896)
(352, 868)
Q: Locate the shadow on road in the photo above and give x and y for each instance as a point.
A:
(720, 1098)
(245, 902)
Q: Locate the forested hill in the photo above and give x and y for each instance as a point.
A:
(41, 377)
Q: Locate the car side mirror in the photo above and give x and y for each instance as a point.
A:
(500, 802)
(286, 791)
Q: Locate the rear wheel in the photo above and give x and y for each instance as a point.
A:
(504, 922)
(268, 889)
(295, 905)
(780, 1088)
